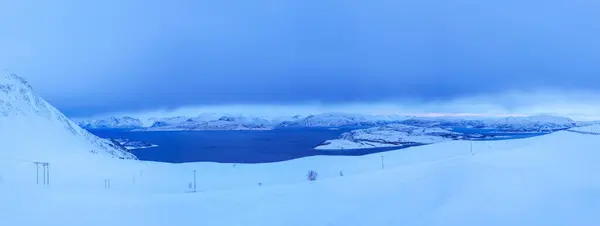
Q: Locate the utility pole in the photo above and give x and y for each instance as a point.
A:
(45, 170)
(382, 165)
(194, 180)
(44, 167)
(37, 172)
(472, 148)
(48, 173)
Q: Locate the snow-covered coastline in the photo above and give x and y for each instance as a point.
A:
(133, 144)
(393, 135)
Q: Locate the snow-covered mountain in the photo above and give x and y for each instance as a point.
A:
(341, 120)
(587, 123)
(213, 121)
(31, 128)
(226, 122)
(167, 121)
(112, 123)
(392, 135)
(446, 122)
(536, 123)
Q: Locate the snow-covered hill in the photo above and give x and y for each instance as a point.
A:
(30, 128)
(112, 123)
(393, 135)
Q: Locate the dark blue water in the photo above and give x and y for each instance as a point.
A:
(234, 146)
(247, 146)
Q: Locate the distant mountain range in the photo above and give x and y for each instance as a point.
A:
(538, 123)
(112, 123)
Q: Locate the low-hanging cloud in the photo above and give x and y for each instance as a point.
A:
(91, 59)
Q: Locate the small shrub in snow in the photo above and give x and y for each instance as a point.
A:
(312, 175)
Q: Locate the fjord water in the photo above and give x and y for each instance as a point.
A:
(243, 146)
(233, 146)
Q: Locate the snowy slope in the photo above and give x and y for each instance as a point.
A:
(393, 135)
(111, 123)
(33, 129)
(545, 180)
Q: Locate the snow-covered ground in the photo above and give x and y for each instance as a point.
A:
(546, 180)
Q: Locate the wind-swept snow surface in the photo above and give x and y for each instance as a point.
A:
(545, 180)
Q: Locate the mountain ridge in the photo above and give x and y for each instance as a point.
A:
(211, 121)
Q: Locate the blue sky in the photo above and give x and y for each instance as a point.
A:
(96, 57)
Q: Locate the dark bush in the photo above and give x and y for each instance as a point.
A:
(312, 175)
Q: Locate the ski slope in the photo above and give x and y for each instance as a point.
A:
(546, 180)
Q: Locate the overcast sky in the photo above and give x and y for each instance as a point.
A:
(96, 57)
